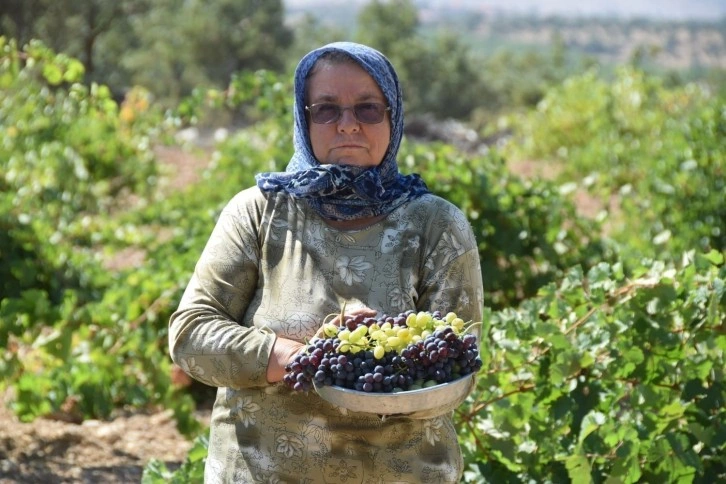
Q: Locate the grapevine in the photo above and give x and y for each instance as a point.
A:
(389, 354)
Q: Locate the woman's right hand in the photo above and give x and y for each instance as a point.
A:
(283, 351)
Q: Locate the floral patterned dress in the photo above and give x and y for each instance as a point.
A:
(272, 267)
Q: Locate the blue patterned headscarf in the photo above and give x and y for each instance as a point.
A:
(345, 192)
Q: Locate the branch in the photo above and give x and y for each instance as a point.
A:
(521, 389)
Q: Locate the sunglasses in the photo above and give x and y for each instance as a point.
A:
(366, 113)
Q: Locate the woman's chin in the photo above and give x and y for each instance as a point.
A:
(353, 161)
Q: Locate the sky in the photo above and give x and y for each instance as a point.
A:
(655, 9)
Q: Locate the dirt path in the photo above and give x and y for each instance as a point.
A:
(113, 452)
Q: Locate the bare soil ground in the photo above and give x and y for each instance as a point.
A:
(110, 452)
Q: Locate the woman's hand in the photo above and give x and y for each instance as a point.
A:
(365, 312)
(283, 351)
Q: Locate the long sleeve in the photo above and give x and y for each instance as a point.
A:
(206, 336)
(451, 275)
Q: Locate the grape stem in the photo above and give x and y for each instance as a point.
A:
(472, 325)
(340, 316)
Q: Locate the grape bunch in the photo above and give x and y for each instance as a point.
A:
(389, 354)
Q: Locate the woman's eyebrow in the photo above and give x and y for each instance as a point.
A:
(330, 98)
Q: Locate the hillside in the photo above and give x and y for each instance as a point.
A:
(624, 9)
(675, 38)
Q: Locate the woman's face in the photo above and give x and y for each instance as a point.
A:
(347, 141)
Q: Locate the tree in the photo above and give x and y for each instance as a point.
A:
(68, 26)
(310, 33)
(167, 46)
(438, 75)
(456, 86)
(17, 19)
(385, 24)
(195, 43)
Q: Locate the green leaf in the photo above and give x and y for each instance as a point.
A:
(56, 342)
(53, 74)
(506, 453)
(156, 472)
(199, 450)
(628, 361)
(590, 423)
(578, 469)
(684, 452)
(626, 468)
(673, 410)
(74, 71)
(716, 257)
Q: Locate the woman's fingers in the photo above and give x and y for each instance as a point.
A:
(283, 351)
(357, 312)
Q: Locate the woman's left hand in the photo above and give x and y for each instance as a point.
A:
(365, 312)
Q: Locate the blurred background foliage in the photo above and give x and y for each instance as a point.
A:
(168, 46)
(453, 63)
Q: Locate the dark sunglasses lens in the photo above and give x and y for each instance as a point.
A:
(324, 113)
(369, 113)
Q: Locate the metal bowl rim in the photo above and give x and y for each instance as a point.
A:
(356, 393)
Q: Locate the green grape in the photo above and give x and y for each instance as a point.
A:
(360, 331)
(394, 342)
(330, 330)
(379, 335)
(412, 320)
(423, 319)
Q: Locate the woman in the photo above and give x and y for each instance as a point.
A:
(340, 226)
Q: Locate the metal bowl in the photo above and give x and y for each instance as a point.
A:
(424, 403)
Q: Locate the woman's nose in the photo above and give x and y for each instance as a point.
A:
(348, 122)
